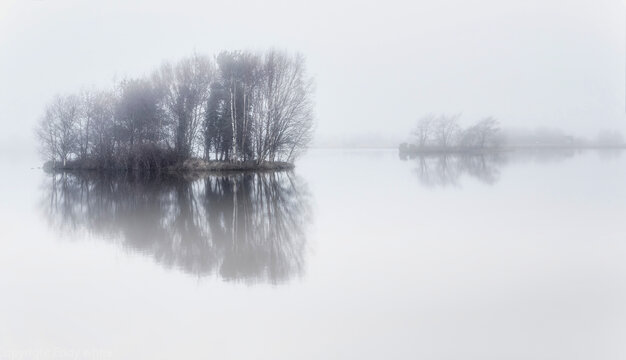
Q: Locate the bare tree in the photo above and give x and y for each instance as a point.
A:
(48, 136)
(137, 114)
(268, 104)
(57, 130)
(85, 121)
(186, 88)
(102, 139)
(230, 77)
(468, 138)
(445, 130)
(487, 131)
(288, 113)
(424, 130)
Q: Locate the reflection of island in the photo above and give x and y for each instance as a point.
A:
(248, 227)
(443, 169)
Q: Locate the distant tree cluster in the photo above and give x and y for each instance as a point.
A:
(443, 132)
(556, 138)
(237, 106)
(608, 138)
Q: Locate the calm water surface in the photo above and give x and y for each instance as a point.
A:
(356, 254)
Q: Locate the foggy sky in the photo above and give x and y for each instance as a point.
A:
(378, 65)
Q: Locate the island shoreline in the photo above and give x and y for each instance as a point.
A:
(184, 167)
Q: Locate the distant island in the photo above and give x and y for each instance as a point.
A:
(444, 135)
(238, 110)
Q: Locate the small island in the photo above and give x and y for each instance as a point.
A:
(443, 135)
(237, 111)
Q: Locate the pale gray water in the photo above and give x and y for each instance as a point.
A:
(364, 256)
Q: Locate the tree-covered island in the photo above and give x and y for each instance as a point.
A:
(238, 110)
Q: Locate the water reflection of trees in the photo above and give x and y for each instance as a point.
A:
(248, 227)
(447, 169)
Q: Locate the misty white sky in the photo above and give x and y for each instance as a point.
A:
(378, 65)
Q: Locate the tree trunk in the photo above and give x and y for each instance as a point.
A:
(233, 118)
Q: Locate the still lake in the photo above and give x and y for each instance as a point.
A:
(356, 254)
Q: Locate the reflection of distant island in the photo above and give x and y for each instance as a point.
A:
(447, 169)
(247, 227)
